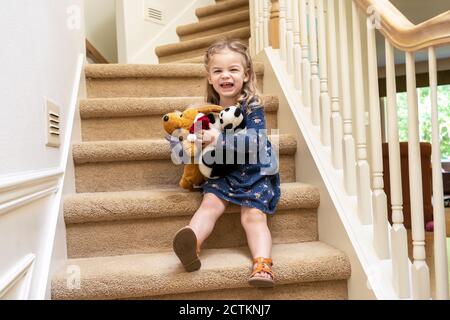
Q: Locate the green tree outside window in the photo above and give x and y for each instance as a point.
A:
(423, 95)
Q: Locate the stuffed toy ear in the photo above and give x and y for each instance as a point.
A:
(209, 108)
(189, 115)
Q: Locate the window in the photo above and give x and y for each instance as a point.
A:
(423, 95)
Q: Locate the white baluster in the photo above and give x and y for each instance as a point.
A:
(440, 244)
(399, 244)
(283, 49)
(252, 32)
(297, 47)
(383, 119)
(325, 134)
(261, 24)
(256, 19)
(266, 20)
(289, 37)
(315, 81)
(348, 141)
(306, 66)
(420, 272)
(379, 199)
(336, 120)
(362, 166)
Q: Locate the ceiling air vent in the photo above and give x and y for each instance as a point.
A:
(153, 12)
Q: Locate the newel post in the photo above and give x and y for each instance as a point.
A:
(274, 25)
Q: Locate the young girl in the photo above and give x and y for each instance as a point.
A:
(254, 186)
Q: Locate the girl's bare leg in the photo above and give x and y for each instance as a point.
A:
(258, 234)
(206, 216)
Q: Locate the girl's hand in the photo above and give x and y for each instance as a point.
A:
(208, 137)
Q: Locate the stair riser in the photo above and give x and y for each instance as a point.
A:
(195, 53)
(141, 175)
(137, 128)
(225, 28)
(153, 235)
(161, 274)
(323, 290)
(191, 60)
(188, 54)
(150, 87)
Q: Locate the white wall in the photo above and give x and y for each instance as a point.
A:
(42, 56)
(418, 10)
(100, 18)
(38, 59)
(137, 38)
(59, 254)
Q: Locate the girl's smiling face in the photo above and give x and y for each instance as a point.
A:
(226, 73)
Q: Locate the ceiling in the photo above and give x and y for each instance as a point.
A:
(416, 11)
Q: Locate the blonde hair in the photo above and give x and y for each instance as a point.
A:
(249, 93)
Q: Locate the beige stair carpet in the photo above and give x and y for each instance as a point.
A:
(226, 19)
(140, 118)
(159, 274)
(144, 80)
(219, 25)
(102, 224)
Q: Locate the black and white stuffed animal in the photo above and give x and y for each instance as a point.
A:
(230, 119)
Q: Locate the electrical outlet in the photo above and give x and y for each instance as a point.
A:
(53, 131)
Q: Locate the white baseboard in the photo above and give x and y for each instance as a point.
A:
(56, 225)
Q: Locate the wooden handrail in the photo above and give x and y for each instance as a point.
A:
(94, 54)
(405, 35)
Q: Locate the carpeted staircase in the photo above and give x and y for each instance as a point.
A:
(121, 222)
(228, 18)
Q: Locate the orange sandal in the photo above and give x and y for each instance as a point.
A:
(264, 265)
(185, 247)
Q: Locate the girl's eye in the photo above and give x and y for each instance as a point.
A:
(217, 71)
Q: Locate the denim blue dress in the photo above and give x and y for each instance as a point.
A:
(255, 182)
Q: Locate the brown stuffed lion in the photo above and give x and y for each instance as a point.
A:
(177, 124)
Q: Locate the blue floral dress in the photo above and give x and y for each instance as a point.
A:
(256, 182)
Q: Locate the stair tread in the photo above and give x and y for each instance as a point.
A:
(132, 107)
(220, 8)
(110, 206)
(198, 59)
(203, 42)
(172, 70)
(157, 274)
(151, 149)
(225, 20)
